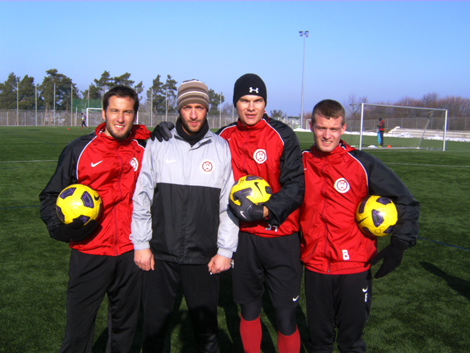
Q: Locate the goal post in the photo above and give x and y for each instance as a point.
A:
(94, 116)
(405, 127)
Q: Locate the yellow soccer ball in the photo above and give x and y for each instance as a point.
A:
(376, 216)
(78, 201)
(256, 189)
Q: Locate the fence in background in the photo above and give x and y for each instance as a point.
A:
(10, 117)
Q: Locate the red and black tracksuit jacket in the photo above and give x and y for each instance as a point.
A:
(271, 150)
(110, 167)
(336, 182)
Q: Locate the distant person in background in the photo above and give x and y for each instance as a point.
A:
(83, 121)
(336, 254)
(380, 132)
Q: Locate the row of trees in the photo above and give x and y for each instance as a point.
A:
(58, 91)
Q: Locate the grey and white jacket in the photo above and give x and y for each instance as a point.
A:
(181, 201)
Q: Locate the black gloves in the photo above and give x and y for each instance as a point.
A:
(162, 131)
(75, 231)
(392, 255)
(247, 211)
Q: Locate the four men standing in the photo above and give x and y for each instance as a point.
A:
(185, 228)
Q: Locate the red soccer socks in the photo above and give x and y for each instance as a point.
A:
(289, 344)
(251, 333)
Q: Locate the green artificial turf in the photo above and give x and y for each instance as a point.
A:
(423, 306)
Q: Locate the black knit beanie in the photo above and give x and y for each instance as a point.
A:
(249, 84)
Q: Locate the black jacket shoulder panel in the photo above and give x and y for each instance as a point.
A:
(291, 195)
(384, 182)
(64, 175)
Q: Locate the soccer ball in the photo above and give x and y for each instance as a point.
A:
(78, 201)
(256, 189)
(376, 216)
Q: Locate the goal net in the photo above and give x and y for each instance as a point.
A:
(405, 127)
(94, 116)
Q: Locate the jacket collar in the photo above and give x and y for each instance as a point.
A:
(258, 126)
(343, 147)
(207, 137)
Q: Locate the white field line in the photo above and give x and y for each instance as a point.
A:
(33, 161)
(413, 164)
(431, 165)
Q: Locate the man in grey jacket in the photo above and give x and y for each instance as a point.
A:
(182, 229)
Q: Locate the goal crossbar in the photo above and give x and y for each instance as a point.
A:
(422, 130)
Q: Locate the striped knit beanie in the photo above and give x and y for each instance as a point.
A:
(192, 92)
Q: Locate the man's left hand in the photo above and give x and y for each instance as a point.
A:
(392, 256)
(247, 211)
(219, 264)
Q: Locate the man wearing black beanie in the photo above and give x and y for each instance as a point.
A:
(269, 241)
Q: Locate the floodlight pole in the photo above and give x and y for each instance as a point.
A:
(17, 101)
(36, 103)
(151, 106)
(71, 104)
(54, 105)
(304, 34)
(220, 111)
(166, 109)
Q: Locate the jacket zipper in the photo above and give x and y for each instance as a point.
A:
(116, 227)
(326, 225)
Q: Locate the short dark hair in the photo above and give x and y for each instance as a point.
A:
(330, 109)
(121, 92)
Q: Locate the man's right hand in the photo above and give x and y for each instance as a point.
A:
(162, 131)
(144, 259)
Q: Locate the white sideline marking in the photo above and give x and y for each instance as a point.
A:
(432, 165)
(34, 161)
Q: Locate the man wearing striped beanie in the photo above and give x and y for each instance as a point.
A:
(182, 231)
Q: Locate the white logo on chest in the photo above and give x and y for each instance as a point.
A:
(134, 164)
(207, 166)
(342, 185)
(260, 156)
(93, 165)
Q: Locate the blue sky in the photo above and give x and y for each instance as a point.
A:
(381, 50)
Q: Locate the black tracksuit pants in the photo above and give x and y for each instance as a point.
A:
(91, 277)
(201, 291)
(337, 301)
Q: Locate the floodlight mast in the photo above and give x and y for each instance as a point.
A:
(304, 34)
(17, 101)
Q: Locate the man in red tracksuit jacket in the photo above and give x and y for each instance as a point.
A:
(336, 254)
(268, 243)
(102, 258)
